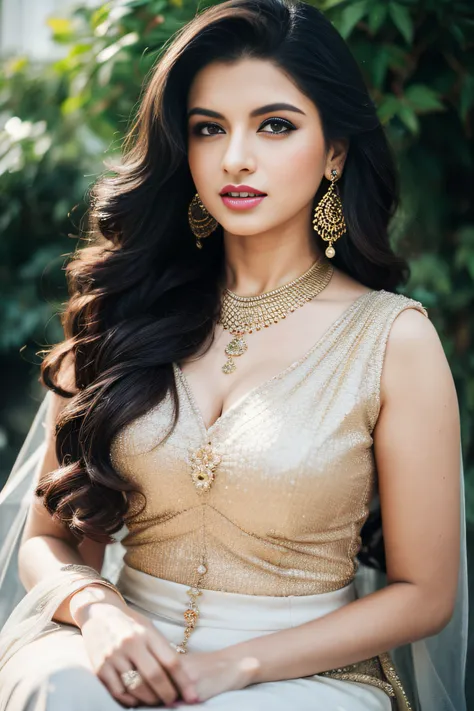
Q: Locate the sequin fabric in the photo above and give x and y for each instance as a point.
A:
(295, 476)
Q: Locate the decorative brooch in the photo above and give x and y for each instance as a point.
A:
(203, 462)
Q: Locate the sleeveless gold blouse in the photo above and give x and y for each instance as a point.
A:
(296, 476)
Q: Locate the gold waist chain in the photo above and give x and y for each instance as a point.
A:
(203, 464)
(240, 315)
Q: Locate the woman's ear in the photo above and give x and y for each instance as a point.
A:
(336, 156)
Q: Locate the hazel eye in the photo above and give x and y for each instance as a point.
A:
(279, 123)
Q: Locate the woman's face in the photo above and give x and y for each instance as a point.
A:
(279, 152)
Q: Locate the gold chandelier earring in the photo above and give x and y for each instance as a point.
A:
(201, 222)
(328, 220)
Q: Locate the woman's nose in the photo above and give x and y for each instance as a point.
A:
(238, 155)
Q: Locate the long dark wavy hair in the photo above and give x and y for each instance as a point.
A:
(141, 295)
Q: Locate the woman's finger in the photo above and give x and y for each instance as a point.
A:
(170, 660)
(156, 677)
(112, 681)
(142, 692)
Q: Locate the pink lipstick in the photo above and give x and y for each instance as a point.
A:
(249, 197)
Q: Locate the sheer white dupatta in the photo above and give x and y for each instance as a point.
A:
(24, 616)
(15, 499)
(440, 661)
(432, 669)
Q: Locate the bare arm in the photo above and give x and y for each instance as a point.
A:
(416, 444)
(48, 545)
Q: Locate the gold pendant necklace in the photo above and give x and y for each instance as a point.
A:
(245, 314)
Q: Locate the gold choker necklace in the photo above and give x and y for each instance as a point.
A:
(245, 314)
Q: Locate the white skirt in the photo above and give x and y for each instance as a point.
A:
(53, 672)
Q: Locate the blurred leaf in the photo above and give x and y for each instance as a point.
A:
(408, 117)
(402, 20)
(379, 67)
(106, 54)
(422, 98)
(388, 108)
(100, 15)
(350, 16)
(72, 103)
(63, 29)
(377, 16)
(16, 64)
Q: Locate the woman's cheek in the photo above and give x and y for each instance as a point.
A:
(306, 162)
(200, 165)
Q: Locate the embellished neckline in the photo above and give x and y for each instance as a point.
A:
(180, 375)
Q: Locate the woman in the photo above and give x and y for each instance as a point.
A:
(237, 379)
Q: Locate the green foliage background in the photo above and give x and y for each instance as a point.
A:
(59, 121)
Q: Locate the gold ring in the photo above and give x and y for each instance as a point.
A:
(131, 679)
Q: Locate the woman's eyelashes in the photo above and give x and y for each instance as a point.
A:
(279, 123)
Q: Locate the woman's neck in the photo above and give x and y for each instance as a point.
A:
(251, 268)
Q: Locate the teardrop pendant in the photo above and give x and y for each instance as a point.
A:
(229, 366)
(236, 347)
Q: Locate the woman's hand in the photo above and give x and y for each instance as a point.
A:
(118, 639)
(214, 673)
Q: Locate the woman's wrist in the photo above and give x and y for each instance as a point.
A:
(82, 601)
(248, 665)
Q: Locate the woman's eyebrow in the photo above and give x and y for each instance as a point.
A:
(256, 112)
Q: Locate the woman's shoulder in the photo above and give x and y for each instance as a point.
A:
(412, 337)
(404, 322)
(413, 352)
(407, 350)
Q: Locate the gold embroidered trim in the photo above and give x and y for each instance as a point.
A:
(391, 674)
(362, 679)
(379, 672)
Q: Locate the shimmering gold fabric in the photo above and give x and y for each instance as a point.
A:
(296, 475)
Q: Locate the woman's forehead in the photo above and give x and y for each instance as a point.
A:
(244, 85)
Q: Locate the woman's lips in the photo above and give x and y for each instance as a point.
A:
(241, 203)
